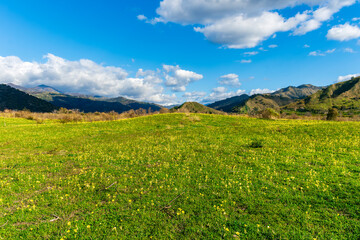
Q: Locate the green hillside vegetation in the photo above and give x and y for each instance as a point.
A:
(171, 177)
(194, 107)
(228, 104)
(93, 104)
(276, 100)
(345, 96)
(85, 103)
(13, 99)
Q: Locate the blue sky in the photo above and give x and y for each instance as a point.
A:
(173, 51)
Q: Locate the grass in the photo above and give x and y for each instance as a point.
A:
(177, 176)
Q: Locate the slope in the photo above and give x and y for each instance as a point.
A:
(13, 99)
(86, 103)
(228, 104)
(344, 96)
(275, 100)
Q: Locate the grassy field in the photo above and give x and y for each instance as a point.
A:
(178, 176)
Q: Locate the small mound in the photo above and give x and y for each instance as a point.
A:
(194, 107)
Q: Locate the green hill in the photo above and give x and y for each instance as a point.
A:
(13, 99)
(194, 107)
(228, 104)
(275, 100)
(86, 103)
(345, 96)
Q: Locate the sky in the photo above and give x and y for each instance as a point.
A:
(172, 51)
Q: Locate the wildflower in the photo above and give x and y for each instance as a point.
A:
(69, 223)
(88, 226)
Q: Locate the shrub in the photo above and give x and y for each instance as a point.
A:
(257, 143)
(270, 113)
(332, 114)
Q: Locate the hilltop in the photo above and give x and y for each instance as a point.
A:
(194, 107)
(11, 98)
(344, 96)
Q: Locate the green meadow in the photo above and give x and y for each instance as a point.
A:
(180, 176)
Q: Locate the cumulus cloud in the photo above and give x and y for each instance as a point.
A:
(178, 79)
(261, 91)
(344, 32)
(347, 77)
(273, 46)
(84, 76)
(221, 93)
(231, 79)
(245, 24)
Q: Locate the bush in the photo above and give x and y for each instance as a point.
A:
(332, 114)
(270, 113)
(256, 144)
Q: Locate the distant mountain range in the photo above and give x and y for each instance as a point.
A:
(344, 96)
(11, 98)
(85, 103)
(259, 102)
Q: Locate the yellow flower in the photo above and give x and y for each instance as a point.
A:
(69, 223)
(88, 226)
(237, 233)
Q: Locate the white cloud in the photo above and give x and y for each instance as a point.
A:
(247, 32)
(261, 91)
(251, 53)
(349, 50)
(83, 76)
(151, 21)
(142, 17)
(221, 93)
(321, 53)
(273, 46)
(194, 96)
(347, 77)
(344, 32)
(246, 61)
(178, 79)
(231, 79)
(244, 23)
(306, 46)
(355, 19)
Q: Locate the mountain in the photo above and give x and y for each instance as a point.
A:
(228, 104)
(275, 100)
(95, 104)
(85, 103)
(14, 99)
(35, 90)
(344, 96)
(194, 107)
